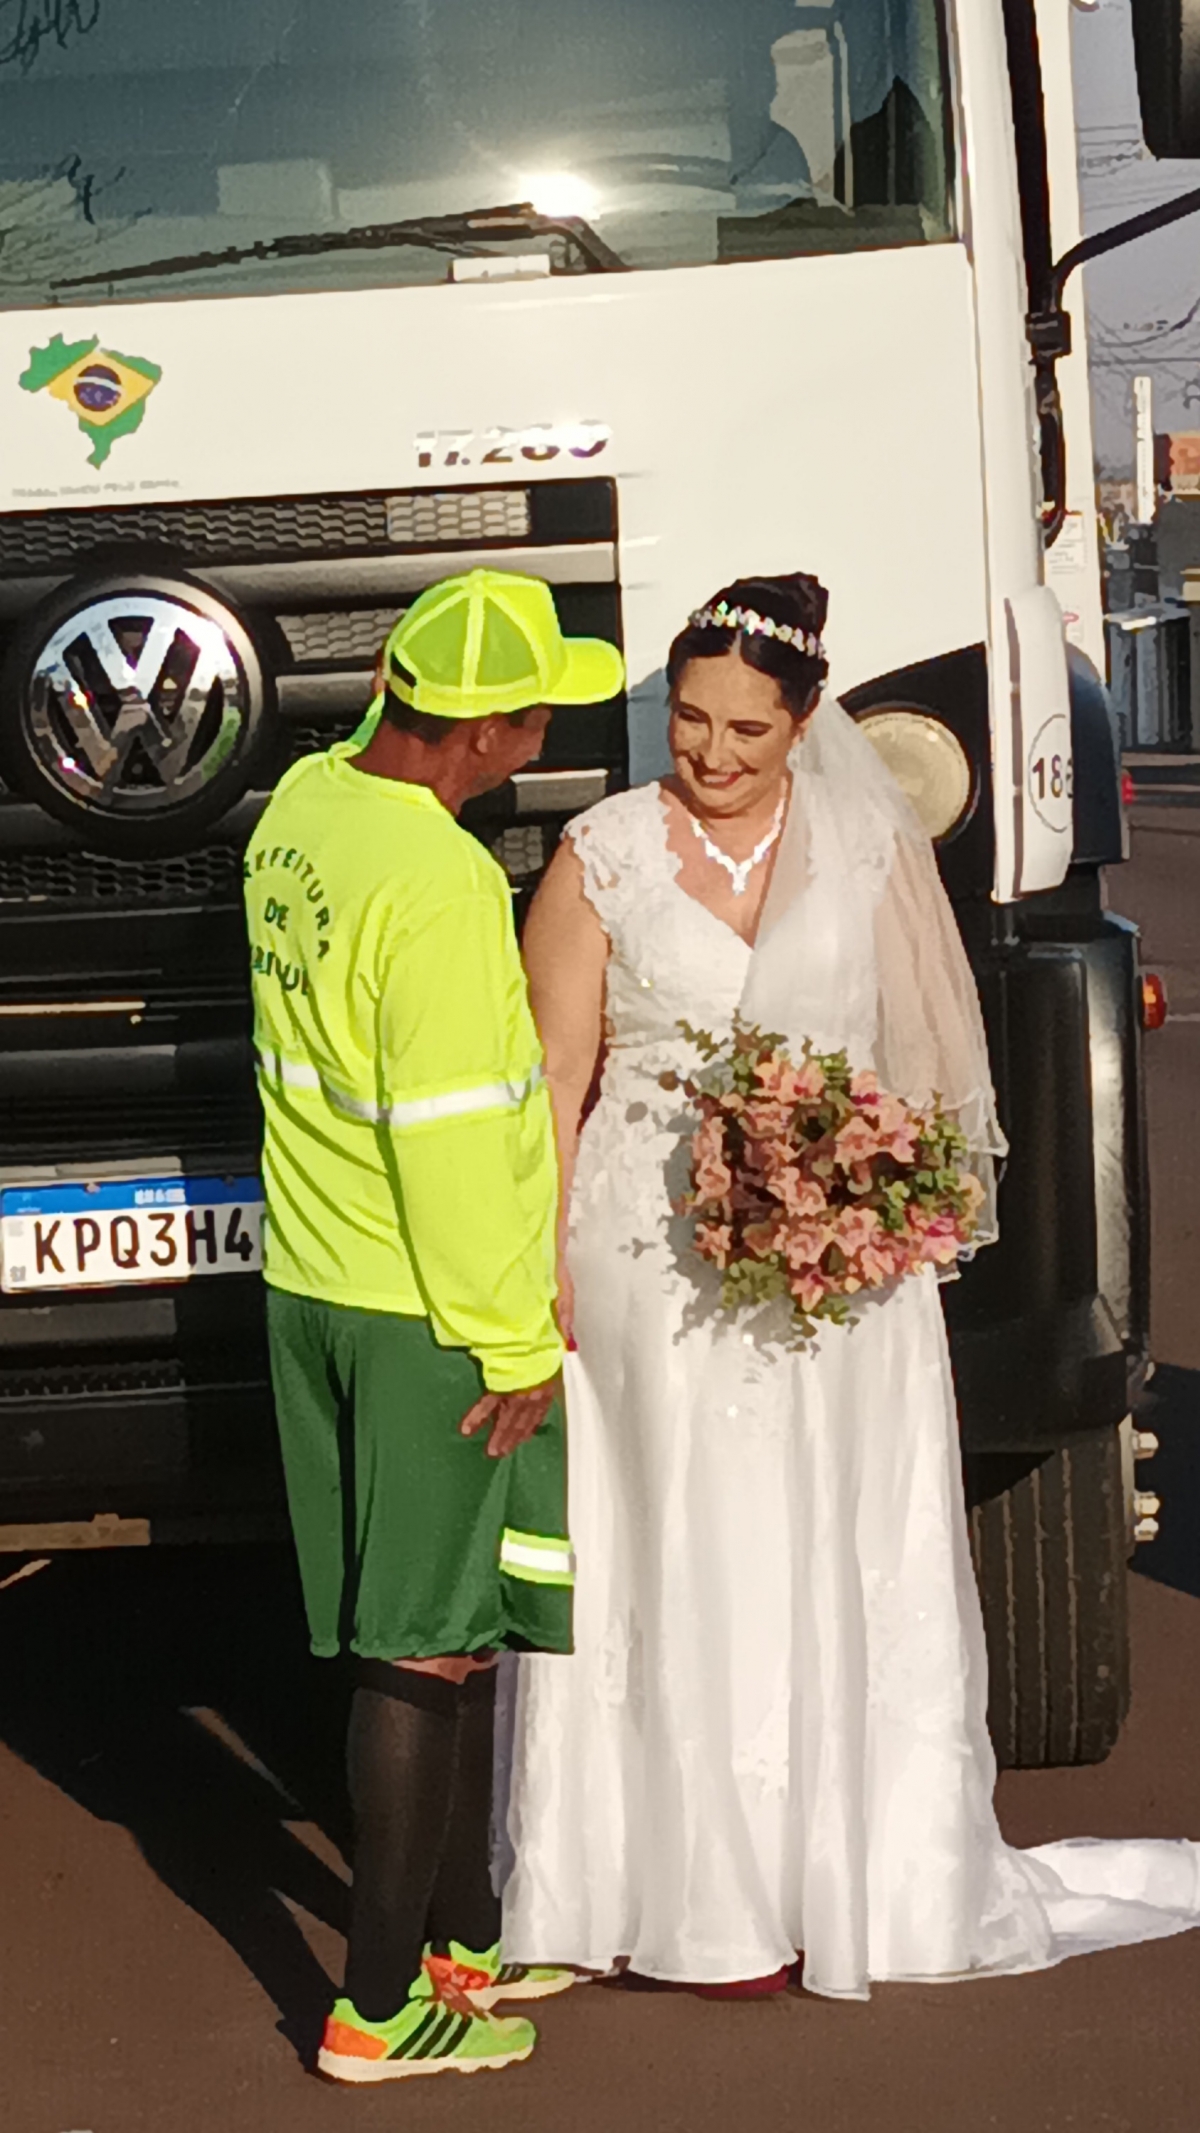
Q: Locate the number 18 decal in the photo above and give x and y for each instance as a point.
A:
(1049, 774)
(538, 445)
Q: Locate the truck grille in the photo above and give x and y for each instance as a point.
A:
(226, 1120)
(355, 633)
(420, 520)
(271, 529)
(211, 874)
(310, 740)
(22, 1381)
(318, 581)
(521, 851)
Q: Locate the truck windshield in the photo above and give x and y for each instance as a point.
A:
(683, 132)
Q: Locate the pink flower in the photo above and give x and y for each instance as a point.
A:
(709, 1138)
(902, 1145)
(939, 1245)
(936, 1224)
(799, 1195)
(856, 1227)
(899, 1131)
(893, 1115)
(864, 1088)
(714, 1178)
(805, 1243)
(790, 1084)
(810, 1291)
(810, 1081)
(856, 1142)
(877, 1263)
(714, 1240)
(768, 1121)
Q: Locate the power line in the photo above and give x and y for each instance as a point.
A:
(1152, 334)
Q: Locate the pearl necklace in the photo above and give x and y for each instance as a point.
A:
(740, 870)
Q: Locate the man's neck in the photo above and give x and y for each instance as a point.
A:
(407, 760)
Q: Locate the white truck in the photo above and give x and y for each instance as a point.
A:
(304, 307)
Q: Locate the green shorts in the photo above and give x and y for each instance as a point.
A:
(412, 1541)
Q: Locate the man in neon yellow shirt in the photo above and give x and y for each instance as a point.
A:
(411, 1201)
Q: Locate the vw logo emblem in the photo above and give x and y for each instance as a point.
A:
(142, 700)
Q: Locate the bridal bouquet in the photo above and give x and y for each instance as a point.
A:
(809, 1182)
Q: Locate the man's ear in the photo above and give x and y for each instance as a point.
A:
(485, 732)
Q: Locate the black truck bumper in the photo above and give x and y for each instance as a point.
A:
(146, 1410)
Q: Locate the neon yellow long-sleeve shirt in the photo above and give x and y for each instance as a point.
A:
(409, 1156)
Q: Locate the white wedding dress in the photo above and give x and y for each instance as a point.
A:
(771, 1736)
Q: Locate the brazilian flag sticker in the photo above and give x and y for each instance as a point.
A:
(106, 392)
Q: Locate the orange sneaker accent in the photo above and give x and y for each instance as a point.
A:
(352, 2043)
(458, 1976)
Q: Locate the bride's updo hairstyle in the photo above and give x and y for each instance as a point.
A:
(776, 625)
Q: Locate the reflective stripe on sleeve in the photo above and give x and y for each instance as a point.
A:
(536, 1558)
(420, 1111)
(290, 1072)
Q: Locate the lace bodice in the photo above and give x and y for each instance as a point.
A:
(671, 961)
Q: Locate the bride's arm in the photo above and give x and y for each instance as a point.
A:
(566, 950)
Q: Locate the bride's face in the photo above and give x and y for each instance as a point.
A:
(730, 733)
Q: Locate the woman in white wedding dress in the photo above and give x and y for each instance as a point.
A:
(771, 1737)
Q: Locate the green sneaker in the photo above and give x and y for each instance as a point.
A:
(485, 1979)
(430, 2035)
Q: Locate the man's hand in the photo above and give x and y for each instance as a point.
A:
(514, 1416)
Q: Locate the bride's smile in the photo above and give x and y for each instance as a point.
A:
(732, 726)
(730, 733)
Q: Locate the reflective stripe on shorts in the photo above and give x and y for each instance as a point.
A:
(536, 1558)
(420, 1111)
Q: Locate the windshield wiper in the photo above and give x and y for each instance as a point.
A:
(463, 235)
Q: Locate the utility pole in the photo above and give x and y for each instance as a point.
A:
(1143, 418)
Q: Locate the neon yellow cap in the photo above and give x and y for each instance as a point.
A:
(491, 642)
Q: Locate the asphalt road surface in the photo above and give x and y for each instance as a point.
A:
(170, 1819)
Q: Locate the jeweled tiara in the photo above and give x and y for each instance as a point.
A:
(724, 617)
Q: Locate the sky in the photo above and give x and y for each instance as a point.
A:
(1140, 299)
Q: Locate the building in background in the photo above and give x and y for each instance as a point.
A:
(1177, 462)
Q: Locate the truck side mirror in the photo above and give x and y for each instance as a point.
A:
(1166, 43)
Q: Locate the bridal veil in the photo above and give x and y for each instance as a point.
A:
(858, 947)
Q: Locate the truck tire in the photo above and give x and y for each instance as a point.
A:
(1048, 1536)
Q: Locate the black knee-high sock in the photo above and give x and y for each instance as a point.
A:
(400, 1758)
(464, 1906)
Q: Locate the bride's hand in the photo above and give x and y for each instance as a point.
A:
(564, 1309)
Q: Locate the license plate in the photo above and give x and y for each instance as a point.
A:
(126, 1230)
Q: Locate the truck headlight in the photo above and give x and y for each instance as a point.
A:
(928, 763)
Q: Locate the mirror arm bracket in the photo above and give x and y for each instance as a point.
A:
(1048, 329)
